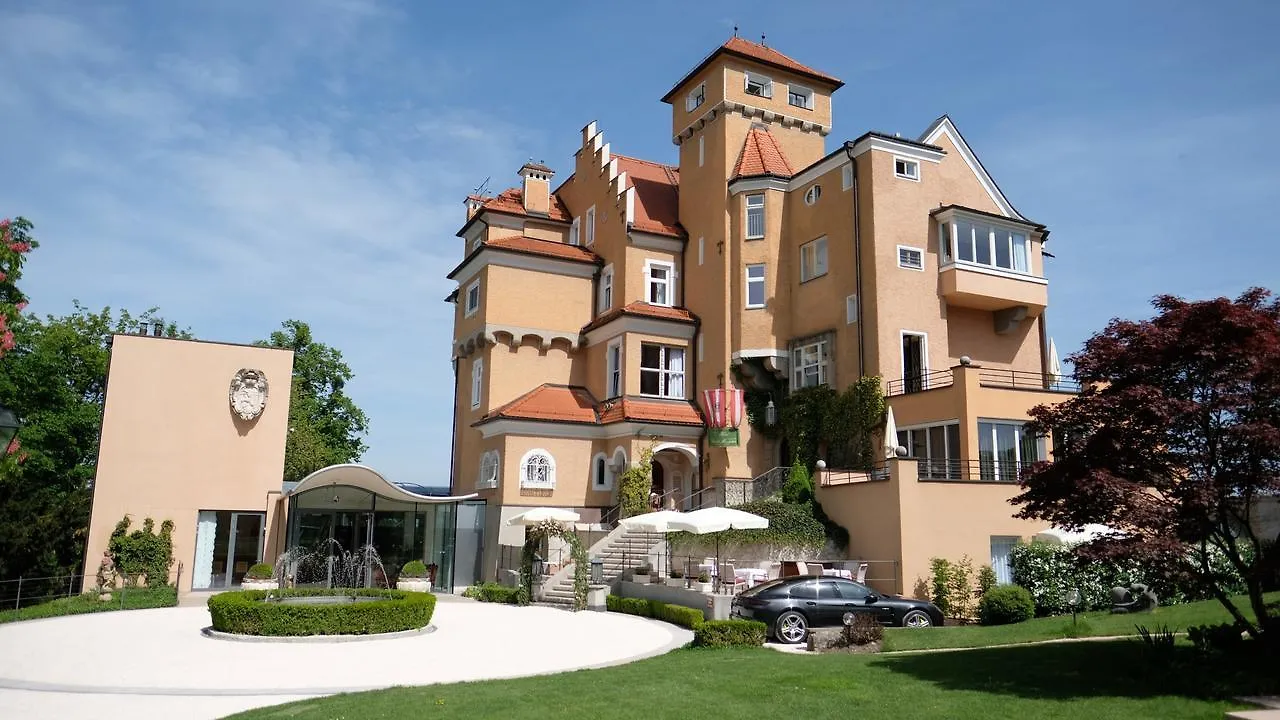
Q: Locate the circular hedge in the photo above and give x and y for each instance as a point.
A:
(247, 612)
(1005, 605)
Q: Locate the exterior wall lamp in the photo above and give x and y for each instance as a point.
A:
(771, 414)
(9, 425)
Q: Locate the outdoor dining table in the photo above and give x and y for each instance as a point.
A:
(837, 572)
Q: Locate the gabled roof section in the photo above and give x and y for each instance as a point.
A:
(511, 202)
(546, 248)
(743, 48)
(944, 126)
(762, 156)
(665, 412)
(644, 309)
(558, 403)
(657, 202)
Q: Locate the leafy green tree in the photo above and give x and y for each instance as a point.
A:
(326, 426)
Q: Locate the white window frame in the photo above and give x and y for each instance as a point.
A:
(819, 349)
(943, 463)
(911, 248)
(575, 232)
(992, 467)
(591, 225)
(702, 249)
(548, 481)
(949, 245)
(666, 376)
(670, 282)
(764, 81)
(908, 165)
(600, 476)
(810, 253)
(613, 360)
(754, 201)
(695, 98)
(846, 176)
(702, 151)
(805, 93)
(850, 309)
(490, 470)
(606, 289)
(760, 281)
(468, 308)
(813, 194)
(477, 382)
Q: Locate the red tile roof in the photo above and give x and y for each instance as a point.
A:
(511, 202)
(668, 412)
(547, 248)
(573, 404)
(760, 53)
(657, 206)
(761, 155)
(643, 309)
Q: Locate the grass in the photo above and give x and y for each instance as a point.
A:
(129, 599)
(1094, 624)
(1075, 680)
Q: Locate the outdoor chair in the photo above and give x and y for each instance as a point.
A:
(729, 579)
(862, 572)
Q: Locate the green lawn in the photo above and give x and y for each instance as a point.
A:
(131, 599)
(1092, 624)
(1072, 680)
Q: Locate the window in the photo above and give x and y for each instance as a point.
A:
(599, 472)
(846, 177)
(661, 371)
(575, 232)
(473, 299)
(1001, 549)
(477, 382)
(807, 590)
(1004, 447)
(755, 216)
(538, 470)
(936, 447)
(759, 85)
(812, 194)
(702, 249)
(851, 309)
(606, 289)
(809, 365)
(906, 169)
(813, 259)
(695, 98)
(658, 278)
(915, 361)
(591, 225)
(910, 258)
(488, 470)
(755, 286)
(702, 151)
(801, 97)
(613, 369)
(982, 243)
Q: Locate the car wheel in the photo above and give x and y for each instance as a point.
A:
(791, 627)
(916, 619)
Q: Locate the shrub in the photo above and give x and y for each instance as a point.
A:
(1221, 638)
(940, 590)
(986, 579)
(792, 527)
(492, 592)
(414, 570)
(730, 633)
(704, 577)
(142, 552)
(1005, 605)
(261, 571)
(676, 573)
(675, 614)
(799, 486)
(960, 588)
(864, 630)
(248, 613)
(126, 599)
(644, 569)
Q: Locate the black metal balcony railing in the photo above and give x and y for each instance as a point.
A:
(917, 383)
(991, 471)
(1023, 380)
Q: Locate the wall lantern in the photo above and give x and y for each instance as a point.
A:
(9, 425)
(771, 414)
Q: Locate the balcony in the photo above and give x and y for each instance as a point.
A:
(986, 471)
(982, 287)
(985, 377)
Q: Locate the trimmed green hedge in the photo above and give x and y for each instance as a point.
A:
(1006, 605)
(675, 614)
(247, 613)
(730, 633)
(121, 599)
(494, 593)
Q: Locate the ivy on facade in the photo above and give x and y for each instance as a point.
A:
(534, 535)
(820, 423)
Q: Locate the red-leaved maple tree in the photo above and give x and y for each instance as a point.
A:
(1174, 440)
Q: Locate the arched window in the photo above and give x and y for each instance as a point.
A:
(538, 470)
(489, 464)
(812, 194)
(600, 472)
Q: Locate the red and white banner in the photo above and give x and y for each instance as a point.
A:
(724, 408)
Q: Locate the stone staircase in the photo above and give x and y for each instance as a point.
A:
(620, 550)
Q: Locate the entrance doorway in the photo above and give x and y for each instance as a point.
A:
(915, 360)
(228, 543)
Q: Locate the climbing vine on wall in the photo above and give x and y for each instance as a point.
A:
(534, 535)
(634, 485)
(818, 418)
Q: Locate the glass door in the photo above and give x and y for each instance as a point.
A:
(246, 544)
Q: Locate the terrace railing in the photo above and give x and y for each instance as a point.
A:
(987, 471)
(1024, 380)
(919, 383)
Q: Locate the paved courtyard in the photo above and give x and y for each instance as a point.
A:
(156, 664)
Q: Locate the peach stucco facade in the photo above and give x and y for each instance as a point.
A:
(590, 314)
(172, 446)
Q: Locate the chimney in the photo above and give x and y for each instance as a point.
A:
(537, 187)
(157, 329)
(474, 203)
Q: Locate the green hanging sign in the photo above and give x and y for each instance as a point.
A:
(723, 437)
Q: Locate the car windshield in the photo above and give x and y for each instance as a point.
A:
(763, 587)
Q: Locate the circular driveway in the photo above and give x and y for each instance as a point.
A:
(150, 659)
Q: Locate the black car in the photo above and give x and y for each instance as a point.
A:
(792, 605)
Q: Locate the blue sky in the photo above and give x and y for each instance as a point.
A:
(249, 162)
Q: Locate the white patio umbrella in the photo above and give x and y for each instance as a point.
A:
(540, 515)
(655, 522)
(890, 434)
(717, 519)
(1055, 365)
(1058, 536)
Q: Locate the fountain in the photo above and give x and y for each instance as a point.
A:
(328, 565)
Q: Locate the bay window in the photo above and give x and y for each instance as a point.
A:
(661, 371)
(978, 242)
(809, 362)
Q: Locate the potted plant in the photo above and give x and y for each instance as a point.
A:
(675, 578)
(260, 577)
(414, 577)
(703, 583)
(641, 574)
(657, 579)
